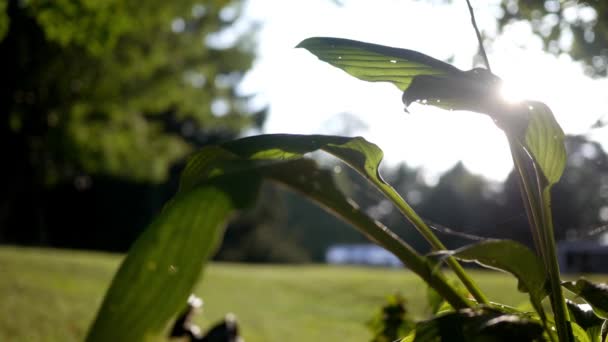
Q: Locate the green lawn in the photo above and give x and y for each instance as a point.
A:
(52, 295)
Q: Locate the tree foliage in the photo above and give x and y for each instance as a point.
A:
(100, 99)
(584, 23)
(90, 86)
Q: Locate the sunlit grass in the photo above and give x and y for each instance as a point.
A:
(52, 295)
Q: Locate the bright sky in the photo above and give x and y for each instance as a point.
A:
(307, 96)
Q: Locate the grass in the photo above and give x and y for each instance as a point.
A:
(52, 295)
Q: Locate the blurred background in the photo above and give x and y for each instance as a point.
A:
(101, 102)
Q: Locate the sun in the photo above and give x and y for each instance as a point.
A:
(513, 92)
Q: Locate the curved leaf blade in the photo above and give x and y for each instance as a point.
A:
(586, 319)
(423, 78)
(267, 154)
(476, 325)
(512, 257)
(362, 156)
(595, 295)
(579, 334)
(304, 177)
(544, 140)
(583, 317)
(163, 265)
(376, 63)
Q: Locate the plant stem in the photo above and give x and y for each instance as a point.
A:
(383, 237)
(416, 263)
(537, 201)
(558, 301)
(428, 234)
(532, 209)
(481, 48)
(529, 200)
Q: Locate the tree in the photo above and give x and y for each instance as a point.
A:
(585, 23)
(113, 88)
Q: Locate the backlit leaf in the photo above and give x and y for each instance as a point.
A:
(163, 265)
(430, 81)
(264, 153)
(512, 257)
(376, 63)
(544, 140)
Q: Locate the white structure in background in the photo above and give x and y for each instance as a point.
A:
(360, 254)
(583, 256)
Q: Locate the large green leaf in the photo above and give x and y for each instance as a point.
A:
(476, 325)
(586, 319)
(161, 268)
(376, 63)
(306, 178)
(358, 153)
(432, 82)
(512, 257)
(544, 140)
(594, 294)
(582, 316)
(579, 334)
(277, 157)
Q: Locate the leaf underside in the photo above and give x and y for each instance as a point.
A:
(512, 257)
(163, 265)
(376, 63)
(433, 82)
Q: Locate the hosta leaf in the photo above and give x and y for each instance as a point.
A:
(580, 335)
(544, 140)
(360, 154)
(512, 257)
(254, 153)
(306, 178)
(376, 63)
(476, 325)
(595, 333)
(423, 78)
(266, 154)
(594, 294)
(163, 265)
(584, 317)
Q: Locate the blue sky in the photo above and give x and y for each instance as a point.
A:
(308, 96)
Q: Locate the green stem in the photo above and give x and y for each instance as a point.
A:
(428, 234)
(382, 236)
(537, 200)
(529, 199)
(417, 263)
(558, 301)
(532, 209)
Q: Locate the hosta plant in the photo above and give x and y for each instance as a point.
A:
(160, 270)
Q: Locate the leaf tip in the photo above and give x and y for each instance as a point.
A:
(305, 43)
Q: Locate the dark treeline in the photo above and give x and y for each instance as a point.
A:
(461, 202)
(108, 214)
